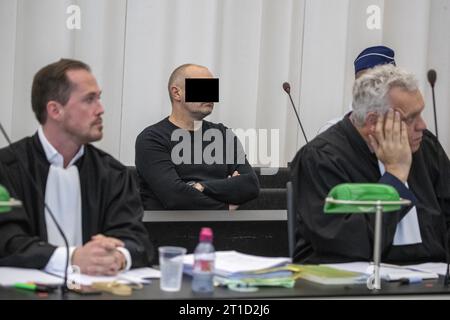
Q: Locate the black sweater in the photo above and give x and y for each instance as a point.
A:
(164, 184)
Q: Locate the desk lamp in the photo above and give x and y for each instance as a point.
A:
(6, 202)
(363, 198)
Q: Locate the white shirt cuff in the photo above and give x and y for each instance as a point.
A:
(57, 261)
(127, 256)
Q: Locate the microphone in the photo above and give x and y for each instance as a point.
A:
(447, 272)
(64, 287)
(432, 76)
(287, 88)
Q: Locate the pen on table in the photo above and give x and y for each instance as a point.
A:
(410, 280)
(34, 287)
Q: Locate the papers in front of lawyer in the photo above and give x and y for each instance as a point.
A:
(327, 275)
(235, 269)
(139, 275)
(232, 263)
(10, 276)
(391, 272)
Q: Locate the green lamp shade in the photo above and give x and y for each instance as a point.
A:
(4, 200)
(361, 198)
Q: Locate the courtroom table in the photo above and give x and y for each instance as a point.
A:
(303, 289)
(214, 215)
(258, 232)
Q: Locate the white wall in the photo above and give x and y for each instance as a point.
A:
(323, 64)
(253, 46)
(40, 39)
(250, 45)
(439, 59)
(8, 12)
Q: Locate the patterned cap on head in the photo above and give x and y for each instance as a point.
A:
(374, 56)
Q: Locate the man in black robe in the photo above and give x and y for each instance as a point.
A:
(383, 140)
(92, 195)
(171, 176)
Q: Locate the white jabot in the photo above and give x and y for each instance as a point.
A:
(63, 197)
(408, 230)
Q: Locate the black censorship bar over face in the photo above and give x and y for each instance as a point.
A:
(202, 89)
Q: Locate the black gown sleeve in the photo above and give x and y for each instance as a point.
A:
(441, 169)
(402, 190)
(123, 219)
(20, 245)
(18, 248)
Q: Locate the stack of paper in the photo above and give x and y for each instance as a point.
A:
(233, 268)
(11, 276)
(234, 264)
(389, 272)
(139, 275)
(328, 275)
(430, 267)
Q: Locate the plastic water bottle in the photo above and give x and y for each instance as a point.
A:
(203, 270)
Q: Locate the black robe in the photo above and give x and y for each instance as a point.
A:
(110, 205)
(340, 155)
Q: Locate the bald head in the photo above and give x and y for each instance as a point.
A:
(188, 70)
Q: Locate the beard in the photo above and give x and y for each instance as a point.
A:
(200, 111)
(96, 132)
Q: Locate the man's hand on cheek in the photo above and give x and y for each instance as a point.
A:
(391, 145)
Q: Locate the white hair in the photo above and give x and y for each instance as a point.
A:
(370, 91)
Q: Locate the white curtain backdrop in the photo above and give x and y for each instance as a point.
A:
(250, 45)
(253, 46)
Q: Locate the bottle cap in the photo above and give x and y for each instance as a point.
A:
(206, 235)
